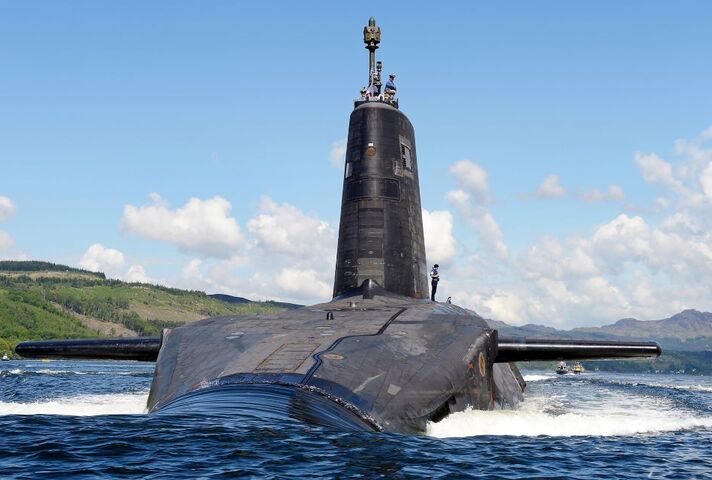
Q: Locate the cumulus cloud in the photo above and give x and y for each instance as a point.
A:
(439, 239)
(627, 267)
(472, 178)
(481, 221)
(137, 274)
(6, 241)
(550, 188)
(614, 194)
(304, 284)
(7, 208)
(98, 258)
(706, 181)
(203, 227)
(648, 265)
(287, 255)
(656, 170)
(285, 229)
(337, 153)
(623, 239)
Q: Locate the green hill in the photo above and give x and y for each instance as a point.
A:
(40, 300)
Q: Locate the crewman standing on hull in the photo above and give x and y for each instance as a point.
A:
(435, 278)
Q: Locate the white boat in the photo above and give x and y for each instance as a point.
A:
(562, 368)
(5, 358)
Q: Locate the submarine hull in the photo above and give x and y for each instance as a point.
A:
(384, 363)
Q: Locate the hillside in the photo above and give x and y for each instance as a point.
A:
(40, 300)
(687, 330)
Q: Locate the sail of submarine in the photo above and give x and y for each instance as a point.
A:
(380, 355)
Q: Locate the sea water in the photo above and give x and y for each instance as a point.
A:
(65, 419)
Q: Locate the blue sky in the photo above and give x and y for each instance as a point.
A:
(115, 115)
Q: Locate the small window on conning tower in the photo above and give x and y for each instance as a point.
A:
(406, 157)
(349, 170)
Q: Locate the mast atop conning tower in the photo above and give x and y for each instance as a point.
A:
(371, 37)
(381, 228)
(373, 93)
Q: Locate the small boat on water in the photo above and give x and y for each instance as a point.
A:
(5, 358)
(578, 368)
(562, 368)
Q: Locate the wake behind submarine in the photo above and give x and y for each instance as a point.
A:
(380, 356)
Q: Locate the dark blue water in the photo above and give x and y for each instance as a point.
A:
(84, 420)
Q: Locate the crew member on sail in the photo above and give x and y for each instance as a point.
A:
(435, 276)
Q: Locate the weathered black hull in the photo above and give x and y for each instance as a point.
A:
(392, 362)
(278, 398)
(264, 399)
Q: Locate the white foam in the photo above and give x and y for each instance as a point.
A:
(697, 388)
(46, 371)
(537, 378)
(81, 405)
(549, 416)
(694, 388)
(677, 386)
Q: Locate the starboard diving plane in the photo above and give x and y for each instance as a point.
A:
(380, 355)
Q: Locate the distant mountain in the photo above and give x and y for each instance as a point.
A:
(686, 338)
(688, 324)
(689, 330)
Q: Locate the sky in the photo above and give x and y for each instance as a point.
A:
(564, 148)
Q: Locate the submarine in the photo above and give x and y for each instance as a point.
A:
(380, 355)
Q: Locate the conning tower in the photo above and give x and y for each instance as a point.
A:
(381, 226)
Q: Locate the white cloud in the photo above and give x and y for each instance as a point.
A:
(303, 284)
(204, 227)
(481, 221)
(623, 239)
(337, 153)
(98, 258)
(706, 181)
(550, 188)
(7, 208)
(706, 134)
(192, 268)
(137, 274)
(6, 241)
(284, 229)
(648, 265)
(656, 170)
(472, 178)
(551, 258)
(288, 255)
(662, 203)
(439, 240)
(614, 194)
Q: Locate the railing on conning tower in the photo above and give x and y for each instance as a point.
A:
(378, 98)
(373, 93)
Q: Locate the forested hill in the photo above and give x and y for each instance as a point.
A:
(40, 300)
